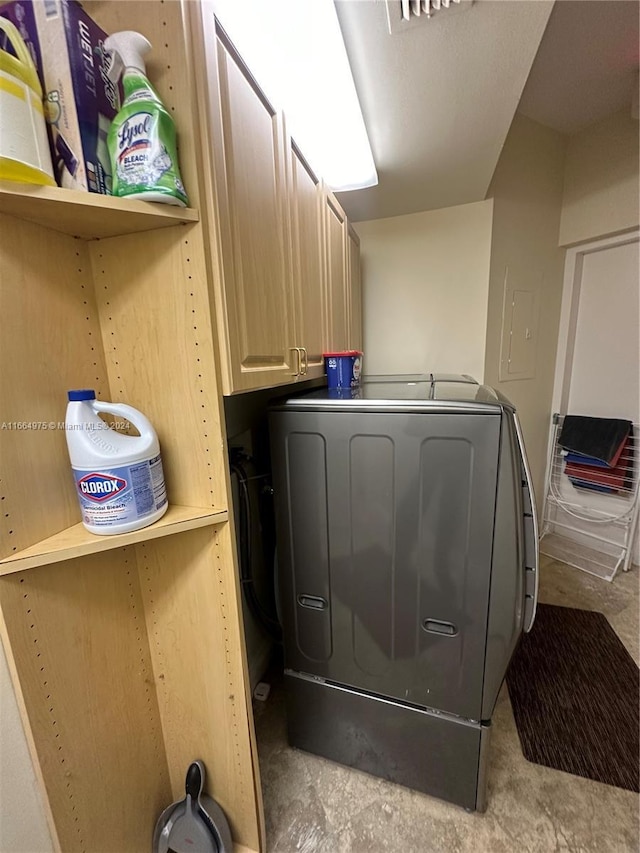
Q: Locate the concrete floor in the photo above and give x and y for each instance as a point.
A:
(315, 806)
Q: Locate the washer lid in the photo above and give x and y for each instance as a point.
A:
(410, 393)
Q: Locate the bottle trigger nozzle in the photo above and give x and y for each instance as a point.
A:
(116, 66)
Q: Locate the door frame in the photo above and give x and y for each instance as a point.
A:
(571, 286)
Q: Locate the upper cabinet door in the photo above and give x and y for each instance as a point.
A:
(305, 197)
(355, 290)
(336, 274)
(254, 295)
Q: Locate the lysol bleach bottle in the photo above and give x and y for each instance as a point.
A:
(119, 477)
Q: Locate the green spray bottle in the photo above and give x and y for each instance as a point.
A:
(142, 136)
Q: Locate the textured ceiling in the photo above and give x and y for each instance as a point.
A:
(439, 99)
(587, 65)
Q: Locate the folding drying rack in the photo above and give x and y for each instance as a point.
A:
(590, 530)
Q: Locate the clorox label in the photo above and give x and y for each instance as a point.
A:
(101, 487)
(111, 497)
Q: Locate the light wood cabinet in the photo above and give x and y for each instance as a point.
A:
(281, 272)
(254, 292)
(354, 290)
(310, 304)
(336, 274)
(126, 652)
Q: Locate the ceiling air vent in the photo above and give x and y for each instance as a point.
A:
(403, 15)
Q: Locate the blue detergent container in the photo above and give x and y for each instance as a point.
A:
(343, 368)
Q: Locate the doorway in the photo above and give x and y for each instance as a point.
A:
(597, 375)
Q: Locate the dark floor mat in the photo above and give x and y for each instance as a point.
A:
(574, 692)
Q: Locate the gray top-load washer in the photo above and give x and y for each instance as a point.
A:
(407, 552)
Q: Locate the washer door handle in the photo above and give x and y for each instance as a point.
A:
(436, 626)
(315, 602)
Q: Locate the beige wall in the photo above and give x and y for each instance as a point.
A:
(605, 365)
(527, 193)
(601, 180)
(23, 827)
(425, 289)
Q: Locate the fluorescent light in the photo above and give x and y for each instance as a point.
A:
(296, 52)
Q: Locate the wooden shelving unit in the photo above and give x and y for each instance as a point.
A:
(87, 215)
(126, 652)
(76, 541)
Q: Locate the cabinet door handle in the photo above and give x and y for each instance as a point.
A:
(305, 363)
(298, 370)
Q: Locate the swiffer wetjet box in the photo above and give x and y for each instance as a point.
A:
(80, 100)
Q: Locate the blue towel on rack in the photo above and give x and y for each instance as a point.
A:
(592, 487)
(580, 459)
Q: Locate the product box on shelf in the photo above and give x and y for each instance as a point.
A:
(80, 100)
(21, 15)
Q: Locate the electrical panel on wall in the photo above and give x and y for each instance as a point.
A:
(519, 336)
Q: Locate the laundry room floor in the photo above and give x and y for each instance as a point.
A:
(315, 806)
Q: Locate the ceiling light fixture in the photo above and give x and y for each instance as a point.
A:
(297, 53)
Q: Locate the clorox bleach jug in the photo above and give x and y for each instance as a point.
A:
(119, 477)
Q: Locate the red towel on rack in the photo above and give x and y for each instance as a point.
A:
(614, 478)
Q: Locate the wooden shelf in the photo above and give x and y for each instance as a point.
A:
(88, 215)
(76, 541)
